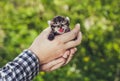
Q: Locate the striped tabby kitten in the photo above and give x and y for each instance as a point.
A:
(59, 25)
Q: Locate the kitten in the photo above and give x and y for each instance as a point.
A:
(59, 25)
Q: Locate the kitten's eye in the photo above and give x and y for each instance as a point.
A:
(56, 23)
(52, 25)
(58, 26)
(62, 25)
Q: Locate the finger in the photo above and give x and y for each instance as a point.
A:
(66, 54)
(75, 50)
(57, 66)
(52, 63)
(74, 43)
(72, 51)
(47, 66)
(70, 35)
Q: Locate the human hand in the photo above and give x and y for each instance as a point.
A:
(57, 63)
(47, 50)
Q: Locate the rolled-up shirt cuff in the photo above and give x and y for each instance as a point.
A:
(30, 63)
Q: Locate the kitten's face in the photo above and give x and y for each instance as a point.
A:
(60, 27)
(60, 24)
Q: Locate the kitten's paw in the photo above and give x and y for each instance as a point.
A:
(51, 37)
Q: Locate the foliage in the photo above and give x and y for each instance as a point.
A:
(98, 56)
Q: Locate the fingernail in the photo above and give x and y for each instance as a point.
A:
(75, 49)
(65, 56)
(78, 24)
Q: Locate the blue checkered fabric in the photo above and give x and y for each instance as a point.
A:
(23, 68)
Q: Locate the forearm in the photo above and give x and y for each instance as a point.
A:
(23, 68)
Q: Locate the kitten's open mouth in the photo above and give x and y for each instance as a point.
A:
(61, 30)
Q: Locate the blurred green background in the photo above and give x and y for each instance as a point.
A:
(98, 56)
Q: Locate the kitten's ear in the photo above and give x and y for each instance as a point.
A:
(68, 19)
(49, 22)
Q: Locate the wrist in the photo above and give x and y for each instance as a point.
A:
(29, 62)
(38, 54)
(34, 54)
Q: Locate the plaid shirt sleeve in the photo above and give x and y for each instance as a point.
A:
(23, 68)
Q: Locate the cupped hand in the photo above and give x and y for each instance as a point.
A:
(59, 62)
(47, 50)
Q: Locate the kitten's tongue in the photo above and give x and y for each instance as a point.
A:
(60, 30)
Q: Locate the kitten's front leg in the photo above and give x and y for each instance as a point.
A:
(51, 35)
